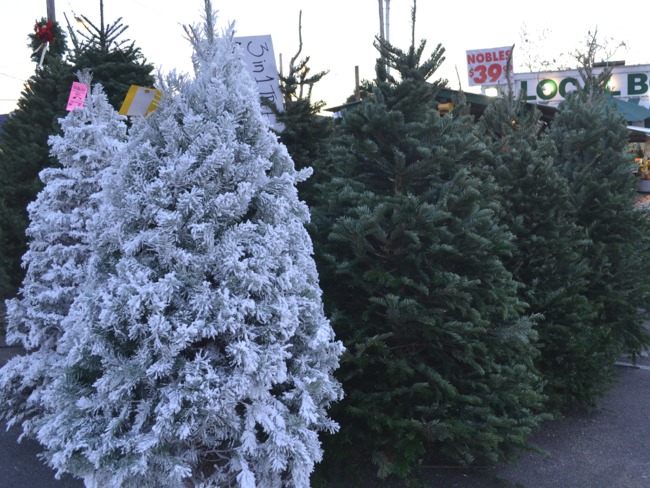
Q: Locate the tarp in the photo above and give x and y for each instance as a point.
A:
(633, 112)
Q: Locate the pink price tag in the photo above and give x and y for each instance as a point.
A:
(77, 95)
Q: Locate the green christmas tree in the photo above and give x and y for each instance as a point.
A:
(439, 355)
(592, 142)
(550, 257)
(24, 152)
(307, 133)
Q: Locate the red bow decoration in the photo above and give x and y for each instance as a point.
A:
(44, 33)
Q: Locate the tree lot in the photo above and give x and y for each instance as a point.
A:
(482, 276)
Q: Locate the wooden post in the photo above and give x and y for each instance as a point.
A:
(357, 91)
(51, 15)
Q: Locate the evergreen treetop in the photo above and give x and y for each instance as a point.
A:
(307, 134)
(116, 62)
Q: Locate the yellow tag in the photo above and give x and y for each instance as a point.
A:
(140, 101)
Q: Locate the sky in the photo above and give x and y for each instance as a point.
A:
(338, 35)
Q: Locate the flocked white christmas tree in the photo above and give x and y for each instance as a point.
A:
(199, 353)
(59, 249)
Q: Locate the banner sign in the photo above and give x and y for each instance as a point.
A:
(551, 87)
(77, 95)
(260, 60)
(140, 100)
(488, 66)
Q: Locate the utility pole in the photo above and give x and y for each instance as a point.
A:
(381, 19)
(51, 16)
(386, 20)
(384, 24)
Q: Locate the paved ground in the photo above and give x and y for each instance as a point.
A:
(609, 448)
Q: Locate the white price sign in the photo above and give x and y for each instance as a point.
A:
(260, 60)
(488, 66)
